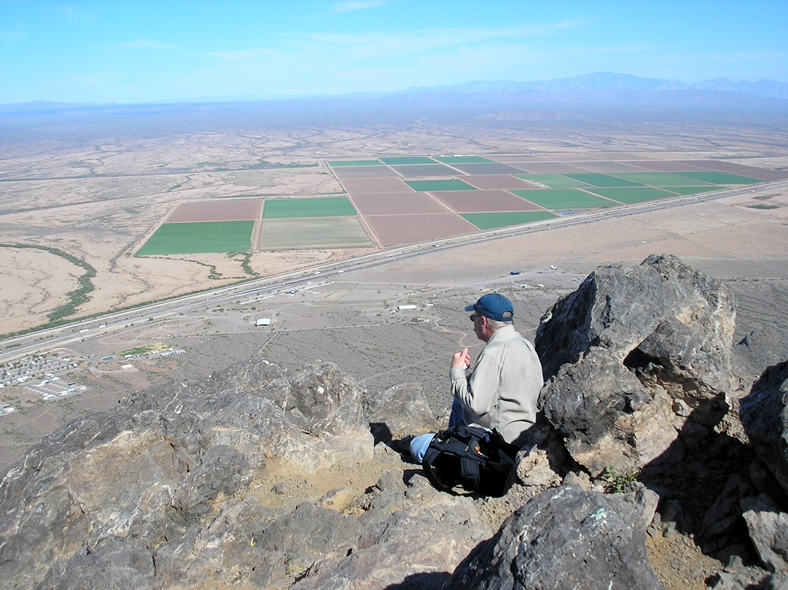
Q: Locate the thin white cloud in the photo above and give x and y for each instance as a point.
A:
(353, 5)
(146, 44)
(75, 13)
(335, 62)
(758, 56)
(239, 55)
(9, 37)
(430, 39)
(381, 45)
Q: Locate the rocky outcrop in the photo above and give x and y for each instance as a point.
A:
(749, 578)
(412, 536)
(638, 363)
(563, 538)
(605, 415)
(628, 357)
(764, 414)
(768, 530)
(397, 412)
(186, 489)
(663, 317)
(162, 476)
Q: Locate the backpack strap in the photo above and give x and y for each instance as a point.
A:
(469, 471)
(428, 463)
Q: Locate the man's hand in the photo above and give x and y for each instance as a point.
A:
(461, 359)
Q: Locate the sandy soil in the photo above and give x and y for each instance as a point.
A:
(32, 285)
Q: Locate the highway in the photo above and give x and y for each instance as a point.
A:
(50, 338)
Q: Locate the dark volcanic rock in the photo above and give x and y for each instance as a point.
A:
(110, 565)
(399, 411)
(629, 356)
(605, 414)
(563, 538)
(413, 544)
(768, 530)
(159, 494)
(154, 472)
(663, 317)
(764, 414)
(749, 578)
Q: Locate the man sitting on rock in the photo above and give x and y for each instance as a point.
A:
(501, 391)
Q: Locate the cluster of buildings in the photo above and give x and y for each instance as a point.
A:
(35, 367)
(152, 353)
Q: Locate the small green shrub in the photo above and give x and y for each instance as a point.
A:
(618, 482)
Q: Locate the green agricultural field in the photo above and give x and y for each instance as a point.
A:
(192, 238)
(401, 160)
(493, 220)
(313, 207)
(451, 184)
(719, 177)
(634, 194)
(564, 199)
(660, 179)
(340, 163)
(692, 190)
(461, 159)
(301, 234)
(553, 180)
(596, 179)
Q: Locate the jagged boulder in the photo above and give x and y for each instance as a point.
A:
(768, 529)
(398, 411)
(764, 415)
(749, 578)
(173, 489)
(630, 355)
(106, 489)
(663, 317)
(563, 538)
(412, 538)
(605, 415)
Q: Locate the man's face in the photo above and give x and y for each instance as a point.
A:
(480, 326)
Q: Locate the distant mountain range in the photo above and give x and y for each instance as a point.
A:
(598, 97)
(610, 82)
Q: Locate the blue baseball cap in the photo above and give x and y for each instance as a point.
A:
(494, 306)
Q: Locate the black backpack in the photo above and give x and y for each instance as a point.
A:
(473, 457)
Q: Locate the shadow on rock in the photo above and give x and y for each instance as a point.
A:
(425, 581)
(703, 478)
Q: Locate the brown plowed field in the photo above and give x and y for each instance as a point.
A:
(420, 170)
(607, 167)
(498, 181)
(365, 172)
(484, 201)
(393, 203)
(486, 168)
(407, 229)
(219, 210)
(671, 165)
(548, 168)
(376, 185)
(740, 169)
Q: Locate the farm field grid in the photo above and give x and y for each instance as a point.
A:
(392, 201)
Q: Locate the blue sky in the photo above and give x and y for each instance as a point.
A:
(141, 51)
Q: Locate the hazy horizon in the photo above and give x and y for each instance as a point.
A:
(179, 52)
